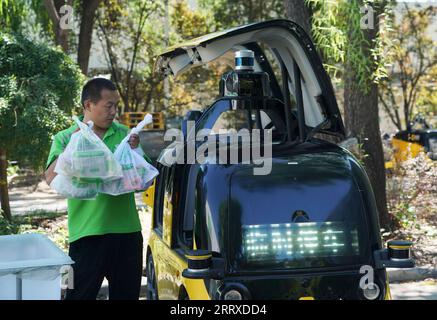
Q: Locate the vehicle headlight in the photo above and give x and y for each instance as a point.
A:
(372, 291)
(233, 295)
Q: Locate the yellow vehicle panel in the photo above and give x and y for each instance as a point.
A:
(168, 267)
(149, 195)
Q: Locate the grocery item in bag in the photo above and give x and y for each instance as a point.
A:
(138, 174)
(71, 187)
(87, 157)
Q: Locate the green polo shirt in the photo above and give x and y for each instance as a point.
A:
(105, 214)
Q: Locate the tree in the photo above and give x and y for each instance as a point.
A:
(231, 13)
(87, 9)
(131, 40)
(61, 34)
(195, 88)
(300, 13)
(48, 15)
(39, 87)
(355, 58)
(412, 76)
(361, 99)
(188, 24)
(88, 14)
(11, 14)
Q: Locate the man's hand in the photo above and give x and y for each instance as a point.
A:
(50, 173)
(134, 141)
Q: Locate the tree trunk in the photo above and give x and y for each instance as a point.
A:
(362, 122)
(89, 8)
(125, 99)
(4, 195)
(361, 119)
(298, 12)
(61, 35)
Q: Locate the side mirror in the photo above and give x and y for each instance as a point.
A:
(202, 265)
(192, 115)
(397, 255)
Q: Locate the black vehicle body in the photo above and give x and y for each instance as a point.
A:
(308, 229)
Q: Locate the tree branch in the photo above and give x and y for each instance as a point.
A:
(389, 112)
(61, 35)
(89, 8)
(51, 11)
(141, 23)
(110, 58)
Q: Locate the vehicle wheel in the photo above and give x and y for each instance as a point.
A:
(152, 288)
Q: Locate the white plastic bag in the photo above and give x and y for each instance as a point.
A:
(138, 174)
(86, 156)
(71, 187)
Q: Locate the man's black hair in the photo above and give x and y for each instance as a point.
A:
(93, 88)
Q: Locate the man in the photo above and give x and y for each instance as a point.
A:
(105, 233)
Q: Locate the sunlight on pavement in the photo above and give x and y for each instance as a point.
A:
(422, 290)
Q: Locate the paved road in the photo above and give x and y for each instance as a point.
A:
(422, 290)
(24, 200)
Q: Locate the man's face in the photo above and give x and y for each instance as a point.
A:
(103, 112)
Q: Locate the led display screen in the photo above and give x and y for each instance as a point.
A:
(291, 241)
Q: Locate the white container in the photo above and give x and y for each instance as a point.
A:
(30, 268)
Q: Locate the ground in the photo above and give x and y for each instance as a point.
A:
(421, 290)
(412, 195)
(45, 212)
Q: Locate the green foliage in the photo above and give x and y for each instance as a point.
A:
(405, 214)
(189, 24)
(327, 32)
(12, 13)
(39, 87)
(42, 24)
(15, 16)
(231, 13)
(195, 88)
(355, 54)
(131, 40)
(337, 33)
(8, 227)
(411, 86)
(12, 170)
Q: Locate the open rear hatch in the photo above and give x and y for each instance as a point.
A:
(294, 52)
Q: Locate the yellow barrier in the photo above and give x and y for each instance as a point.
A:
(404, 150)
(131, 119)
